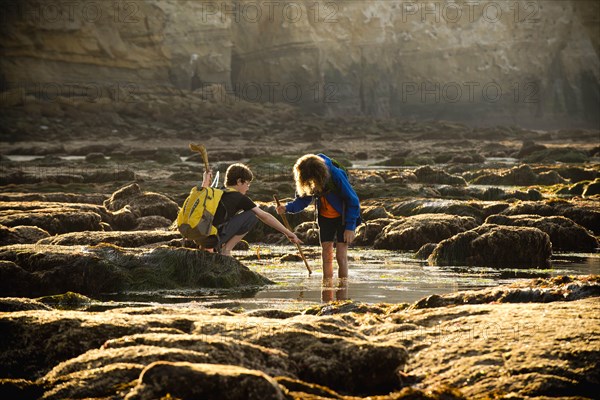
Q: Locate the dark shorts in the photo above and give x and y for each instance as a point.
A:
(330, 229)
(239, 224)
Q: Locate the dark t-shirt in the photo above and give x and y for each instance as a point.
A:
(231, 203)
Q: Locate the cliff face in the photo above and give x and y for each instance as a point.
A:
(522, 62)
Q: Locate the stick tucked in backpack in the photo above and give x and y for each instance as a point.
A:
(200, 148)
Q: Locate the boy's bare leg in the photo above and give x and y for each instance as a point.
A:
(227, 247)
(341, 255)
(327, 255)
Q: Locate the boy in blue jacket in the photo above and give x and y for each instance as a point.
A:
(317, 178)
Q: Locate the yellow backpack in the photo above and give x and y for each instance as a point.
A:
(195, 217)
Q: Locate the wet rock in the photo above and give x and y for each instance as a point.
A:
(427, 174)
(152, 222)
(53, 269)
(488, 244)
(369, 213)
(16, 281)
(584, 214)
(519, 176)
(436, 206)
(592, 189)
(467, 159)
(21, 234)
(210, 381)
(20, 389)
(308, 232)
(561, 288)
(54, 221)
(565, 234)
(577, 174)
(95, 158)
(124, 219)
(368, 231)
(88, 198)
(529, 147)
(68, 300)
(425, 251)
(413, 232)
(13, 304)
(565, 155)
(145, 203)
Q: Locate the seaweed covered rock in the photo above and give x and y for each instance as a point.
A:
(152, 222)
(492, 245)
(54, 221)
(522, 175)
(407, 208)
(425, 251)
(585, 214)
(426, 174)
(564, 233)
(369, 213)
(356, 349)
(21, 234)
(118, 238)
(413, 232)
(368, 231)
(145, 203)
(38, 269)
(210, 381)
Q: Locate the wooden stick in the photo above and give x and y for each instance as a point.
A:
(287, 225)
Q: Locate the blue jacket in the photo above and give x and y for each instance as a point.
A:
(344, 196)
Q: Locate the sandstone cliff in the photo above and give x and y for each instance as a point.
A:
(524, 62)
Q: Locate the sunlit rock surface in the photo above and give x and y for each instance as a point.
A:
(528, 339)
(495, 246)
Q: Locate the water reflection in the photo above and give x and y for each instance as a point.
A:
(332, 292)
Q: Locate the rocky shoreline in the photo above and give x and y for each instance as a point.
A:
(537, 339)
(88, 216)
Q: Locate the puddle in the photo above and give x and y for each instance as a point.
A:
(375, 276)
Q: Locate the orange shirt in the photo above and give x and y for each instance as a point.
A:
(326, 210)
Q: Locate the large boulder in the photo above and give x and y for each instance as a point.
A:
(413, 232)
(495, 246)
(564, 234)
(36, 270)
(144, 203)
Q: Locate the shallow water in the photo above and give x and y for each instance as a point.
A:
(375, 276)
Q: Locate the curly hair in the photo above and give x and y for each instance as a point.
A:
(311, 175)
(237, 171)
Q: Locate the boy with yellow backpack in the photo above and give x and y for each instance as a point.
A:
(218, 219)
